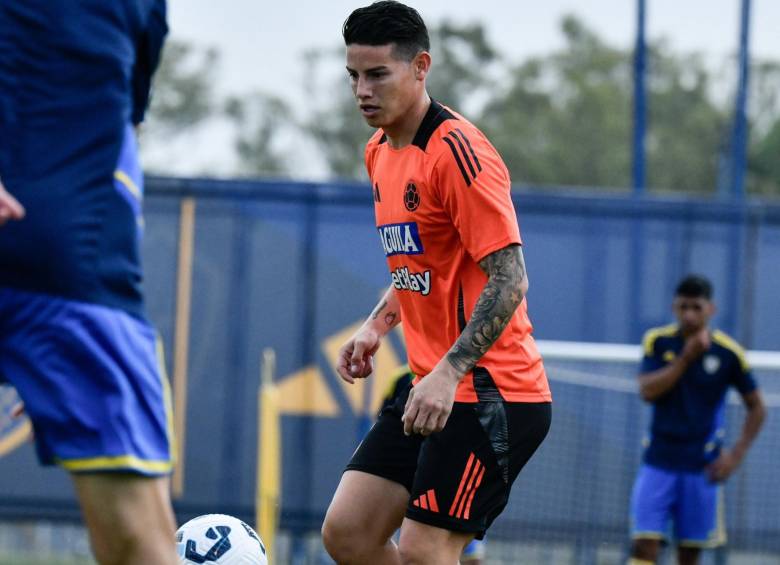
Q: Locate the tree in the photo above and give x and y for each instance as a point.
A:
(182, 95)
(764, 151)
(462, 59)
(564, 118)
(259, 120)
(182, 101)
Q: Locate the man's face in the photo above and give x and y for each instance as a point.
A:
(385, 86)
(693, 314)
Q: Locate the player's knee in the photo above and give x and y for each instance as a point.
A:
(416, 549)
(112, 549)
(342, 541)
(128, 542)
(416, 553)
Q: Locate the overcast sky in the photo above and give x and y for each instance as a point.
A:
(261, 41)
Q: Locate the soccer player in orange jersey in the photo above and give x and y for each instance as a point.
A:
(440, 462)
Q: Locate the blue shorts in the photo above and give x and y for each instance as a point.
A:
(92, 381)
(686, 500)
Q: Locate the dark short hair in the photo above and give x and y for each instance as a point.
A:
(386, 22)
(694, 286)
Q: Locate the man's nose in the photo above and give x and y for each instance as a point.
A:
(362, 89)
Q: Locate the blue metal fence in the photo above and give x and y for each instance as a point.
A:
(291, 265)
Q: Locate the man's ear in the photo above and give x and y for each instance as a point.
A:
(421, 65)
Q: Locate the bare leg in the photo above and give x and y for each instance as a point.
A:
(129, 518)
(422, 544)
(365, 512)
(645, 551)
(688, 555)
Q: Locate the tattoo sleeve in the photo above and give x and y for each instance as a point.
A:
(495, 306)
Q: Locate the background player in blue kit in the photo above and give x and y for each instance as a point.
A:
(74, 81)
(686, 372)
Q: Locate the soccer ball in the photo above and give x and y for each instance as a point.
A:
(218, 539)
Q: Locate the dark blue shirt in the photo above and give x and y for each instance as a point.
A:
(74, 76)
(687, 428)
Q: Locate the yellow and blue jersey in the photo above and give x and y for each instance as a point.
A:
(74, 78)
(687, 426)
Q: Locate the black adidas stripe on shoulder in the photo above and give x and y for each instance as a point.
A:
(434, 117)
(464, 153)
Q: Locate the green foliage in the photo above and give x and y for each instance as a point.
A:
(462, 57)
(182, 95)
(565, 118)
(258, 120)
(764, 153)
(764, 163)
(337, 129)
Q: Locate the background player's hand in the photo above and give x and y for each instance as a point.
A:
(356, 357)
(18, 410)
(722, 468)
(10, 209)
(696, 345)
(430, 401)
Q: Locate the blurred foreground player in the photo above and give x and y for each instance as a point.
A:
(74, 80)
(449, 230)
(686, 372)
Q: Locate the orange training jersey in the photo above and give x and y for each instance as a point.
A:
(443, 204)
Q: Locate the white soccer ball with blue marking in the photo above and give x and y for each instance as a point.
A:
(219, 539)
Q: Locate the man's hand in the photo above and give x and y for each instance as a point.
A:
(696, 345)
(10, 209)
(722, 468)
(356, 357)
(430, 401)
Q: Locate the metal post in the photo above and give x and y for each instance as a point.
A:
(640, 102)
(739, 138)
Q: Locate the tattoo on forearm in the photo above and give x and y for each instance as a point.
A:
(389, 317)
(378, 310)
(496, 305)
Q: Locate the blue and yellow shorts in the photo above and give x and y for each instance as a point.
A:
(685, 504)
(92, 381)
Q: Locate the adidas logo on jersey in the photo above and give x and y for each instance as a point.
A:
(400, 239)
(416, 282)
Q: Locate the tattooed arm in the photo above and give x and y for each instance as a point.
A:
(430, 401)
(503, 293)
(356, 355)
(387, 313)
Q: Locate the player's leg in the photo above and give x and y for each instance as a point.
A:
(644, 551)
(128, 516)
(699, 520)
(652, 500)
(421, 544)
(369, 503)
(365, 512)
(688, 555)
(464, 476)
